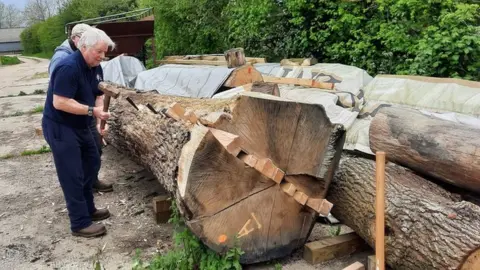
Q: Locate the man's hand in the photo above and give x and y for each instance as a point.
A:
(104, 131)
(100, 114)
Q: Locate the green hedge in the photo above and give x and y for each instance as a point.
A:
(424, 37)
(420, 37)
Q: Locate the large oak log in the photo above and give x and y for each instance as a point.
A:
(441, 149)
(256, 167)
(427, 227)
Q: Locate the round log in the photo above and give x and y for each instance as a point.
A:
(444, 150)
(427, 227)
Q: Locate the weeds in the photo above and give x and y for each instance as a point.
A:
(335, 230)
(189, 252)
(37, 109)
(39, 92)
(22, 94)
(39, 75)
(7, 156)
(42, 150)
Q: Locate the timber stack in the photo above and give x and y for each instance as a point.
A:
(258, 169)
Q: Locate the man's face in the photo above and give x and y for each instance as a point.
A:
(95, 54)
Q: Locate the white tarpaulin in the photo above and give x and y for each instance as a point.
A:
(122, 70)
(183, 80)
(346, 78)
(433, 94)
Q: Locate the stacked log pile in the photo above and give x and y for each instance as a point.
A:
(261, 169)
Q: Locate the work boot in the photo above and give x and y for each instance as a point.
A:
(100, 214)
(100, 186)
(93, 230)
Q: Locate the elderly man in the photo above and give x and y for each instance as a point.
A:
(68, 47)
(73, 101)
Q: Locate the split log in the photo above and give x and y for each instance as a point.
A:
(444, 150)
(426, 226)
(220, 195)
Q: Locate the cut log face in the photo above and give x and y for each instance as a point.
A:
(243, 75)
(266, 88)
(426, 228)
(224, 193)
(441, 149)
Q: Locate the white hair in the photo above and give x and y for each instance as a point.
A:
(94, 35)
(79, 29)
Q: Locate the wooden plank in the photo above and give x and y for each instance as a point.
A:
(301, 82)
(210, 61)
(298, 62)
(332, 247)
(355, 266)
(161, 208)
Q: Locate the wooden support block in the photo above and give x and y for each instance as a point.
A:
(230, 141)
(266, 167)
(250, 160)
(300, 197)
(321, 206)
(161, 208)
(355, 266)
(301, 82)
(371, 262)
(332, 247)
(289, 188)
(190, 116)
(278, 175)
(176, 111)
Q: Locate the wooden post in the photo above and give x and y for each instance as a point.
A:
(380, 211)
(235, 58)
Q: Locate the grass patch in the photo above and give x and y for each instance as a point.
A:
(42, 150)
(9, 60)
(39, 75)
(39, 55)
(189, 252)
(37, 109)
(22, 94)
(7, 156)
(39, 92)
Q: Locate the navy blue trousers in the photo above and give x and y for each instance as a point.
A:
(77, 162)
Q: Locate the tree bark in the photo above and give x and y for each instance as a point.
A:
(220, 195)
(426, 226)
(441, 149)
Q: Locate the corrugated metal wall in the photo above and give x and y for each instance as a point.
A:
(11, 47)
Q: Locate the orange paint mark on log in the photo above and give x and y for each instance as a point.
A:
(222, 238)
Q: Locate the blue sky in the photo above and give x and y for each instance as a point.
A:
(20, 4)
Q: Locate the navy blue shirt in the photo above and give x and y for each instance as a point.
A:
(74, 79)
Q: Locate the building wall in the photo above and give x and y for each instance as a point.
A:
(11, 47)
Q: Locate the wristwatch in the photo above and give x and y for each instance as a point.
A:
(90, 111)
